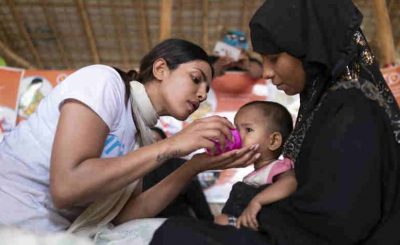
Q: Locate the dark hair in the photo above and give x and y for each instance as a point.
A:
(279, 118)
(159, 131)
(212, 59)
(173, 51)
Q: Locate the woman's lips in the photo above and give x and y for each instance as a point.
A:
(193, 106)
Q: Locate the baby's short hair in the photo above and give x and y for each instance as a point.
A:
(159, 131)
(278, 117)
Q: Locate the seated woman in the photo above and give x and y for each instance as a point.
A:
(346, 141)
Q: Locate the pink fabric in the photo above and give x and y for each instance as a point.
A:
(266, 174)
(278, 168)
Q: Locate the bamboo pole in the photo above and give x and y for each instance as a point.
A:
(384, 33)
(205, 24)
(4, 34)
(11, 55)
(144, 26)
(25, 34)
(166, 19)
(193, 21)
(88, 30)
(222, 28)
(390, 5)
(245, 19)
(122, 47)
(179, 19)
(54, 30)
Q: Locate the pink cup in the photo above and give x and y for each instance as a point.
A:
(229, 145)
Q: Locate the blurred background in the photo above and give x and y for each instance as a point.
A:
(68, 34)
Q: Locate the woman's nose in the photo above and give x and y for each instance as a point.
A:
(202, 93)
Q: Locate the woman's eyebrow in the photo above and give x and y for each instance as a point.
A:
(272, 55)
(202, 74)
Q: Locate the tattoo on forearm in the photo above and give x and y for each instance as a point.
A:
(164, 157)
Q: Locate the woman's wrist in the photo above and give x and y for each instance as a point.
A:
(166, 150)
(191, 169)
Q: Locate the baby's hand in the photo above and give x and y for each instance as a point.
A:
(249, 216)
(221, 219)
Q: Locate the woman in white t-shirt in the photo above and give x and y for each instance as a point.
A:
(78, 148)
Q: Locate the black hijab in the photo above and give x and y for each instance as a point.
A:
(341, 198)
(325, 36)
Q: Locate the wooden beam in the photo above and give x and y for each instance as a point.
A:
(165, 19)
(122, 47)
(11, 55)
(4, 33)
(390, 5)
(54, 30)
(223, 5)
(88, 30)
(195, 23)
(205, 24)
(66, 4)
(179, 19)
(22, 29)
(254, 5)
(144, 26)
(384, 33)
(245, 20)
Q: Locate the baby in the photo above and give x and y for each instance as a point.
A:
(267, 124)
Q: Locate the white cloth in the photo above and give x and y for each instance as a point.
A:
(144, 113)
(267, 174)
(25, 152)
(139, 232)
(14, 236)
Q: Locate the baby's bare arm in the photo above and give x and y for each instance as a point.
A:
(221, 219)
(285, 185)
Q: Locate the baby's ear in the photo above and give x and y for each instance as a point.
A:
(275, 141)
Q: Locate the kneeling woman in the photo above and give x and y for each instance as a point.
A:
(81, 146)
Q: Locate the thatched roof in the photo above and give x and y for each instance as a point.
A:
(67, 34)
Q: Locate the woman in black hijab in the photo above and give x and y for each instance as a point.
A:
(346, 141)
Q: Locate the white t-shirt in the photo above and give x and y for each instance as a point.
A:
(25, 152)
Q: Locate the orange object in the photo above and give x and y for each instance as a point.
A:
(233, 90)
(233, 82)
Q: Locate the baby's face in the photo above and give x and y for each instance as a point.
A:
(253, 128)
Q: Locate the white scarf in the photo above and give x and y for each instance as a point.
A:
(143, 111)
(101, 212)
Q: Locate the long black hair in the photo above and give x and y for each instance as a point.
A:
(173, 51)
